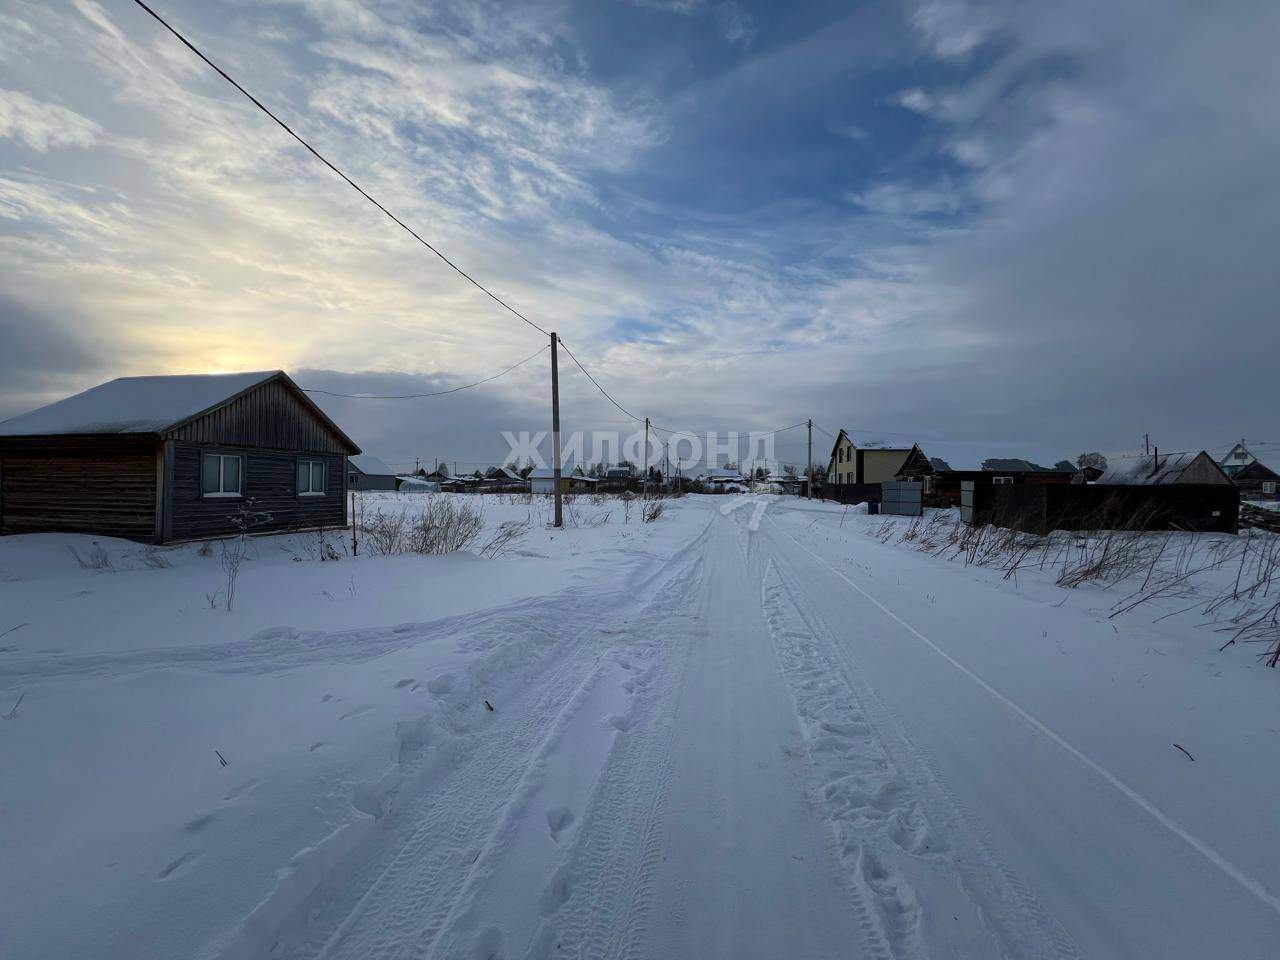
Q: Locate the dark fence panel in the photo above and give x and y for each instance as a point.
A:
(852, 492)
(1039, 509)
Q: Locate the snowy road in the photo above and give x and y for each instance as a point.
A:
(786, 740)
(758, 757)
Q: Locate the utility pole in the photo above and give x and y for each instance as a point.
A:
(1146, 443)
(644, 488)
(555, 429)
(808, 487)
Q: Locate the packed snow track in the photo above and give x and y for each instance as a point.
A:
(760, 749)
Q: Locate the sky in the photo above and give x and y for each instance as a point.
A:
(1027, 223)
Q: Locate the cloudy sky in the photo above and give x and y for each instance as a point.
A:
(1052, 223)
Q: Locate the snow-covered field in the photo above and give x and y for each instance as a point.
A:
(748, 729)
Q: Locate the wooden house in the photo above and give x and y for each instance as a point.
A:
(851, 463)
(367, 472)
(945, 487)
(162, 459)
(1254, 478)
(1257, 481)
(1188, 468)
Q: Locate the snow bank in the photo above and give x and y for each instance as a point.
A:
(323, 690)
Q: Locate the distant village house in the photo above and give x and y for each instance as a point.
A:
(162, 459)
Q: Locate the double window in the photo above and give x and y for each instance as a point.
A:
(311, 478)
(1268, 486)
(221, 475)
(1002, 480)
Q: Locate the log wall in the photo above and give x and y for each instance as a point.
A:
(270, 499)
(92, 485)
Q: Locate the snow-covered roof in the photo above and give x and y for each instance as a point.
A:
(724, 475)
(133, 405)
(549, 473)
(415, 481)
(503, 472)
(370, 465)
(1148, 470)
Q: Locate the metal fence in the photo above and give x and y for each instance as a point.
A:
(902, 498)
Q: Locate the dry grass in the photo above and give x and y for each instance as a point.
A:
(1160, 567)
(444, 526)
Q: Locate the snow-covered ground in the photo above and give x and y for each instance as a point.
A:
(747, 729)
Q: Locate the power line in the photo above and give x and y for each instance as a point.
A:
(355, 186)
(419, 396)
(602, 390)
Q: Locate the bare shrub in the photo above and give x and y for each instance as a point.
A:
(509, 535)
(383, 533)
(95, 558)
(651, 510)
(444, 527)
(233, 554)
(234, 551)
(156, 560)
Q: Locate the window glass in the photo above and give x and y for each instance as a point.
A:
(304, 476)
(317, 476)
(209, 467)
(230, 474)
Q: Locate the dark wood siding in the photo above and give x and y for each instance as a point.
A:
(269, 416)
(94, 485)
(270, 487)
(370, 481)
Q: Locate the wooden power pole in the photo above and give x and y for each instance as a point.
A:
(644, 487)
(808, 487)
(555, 430)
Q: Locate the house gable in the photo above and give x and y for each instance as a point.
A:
(274, 414)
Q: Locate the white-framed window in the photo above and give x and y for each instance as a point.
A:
(221, 475)
(1002, 480)
(311, 478)
(1268, 486)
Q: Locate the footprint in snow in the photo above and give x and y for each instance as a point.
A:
(405, 682)
(442, 685)
(489, 945)
(556, 893)
(559, 819)
(237, 792)
(178, 866)
(198, 823)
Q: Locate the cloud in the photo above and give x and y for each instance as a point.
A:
(45, 357)
(953, 29)
(1055, 229)
(736, 25)
(850, 131)
(43, 126)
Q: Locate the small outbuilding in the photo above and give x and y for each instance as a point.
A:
(367, 472)
(1189, 467)
(171, 458)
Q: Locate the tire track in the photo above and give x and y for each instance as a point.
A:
(619, 842)
(391, 897)
(914, 807)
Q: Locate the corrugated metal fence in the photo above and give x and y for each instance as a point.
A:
(902, 498)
